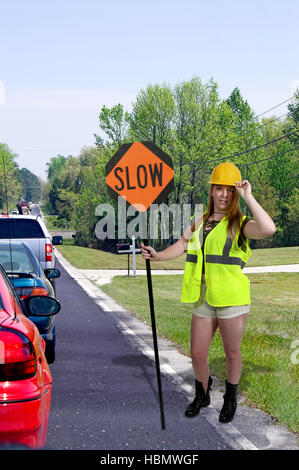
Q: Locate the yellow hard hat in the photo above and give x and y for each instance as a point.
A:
(225, 173)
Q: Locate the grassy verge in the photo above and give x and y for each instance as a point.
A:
(269, 378)
(88, 258)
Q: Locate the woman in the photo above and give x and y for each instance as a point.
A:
(217, 250)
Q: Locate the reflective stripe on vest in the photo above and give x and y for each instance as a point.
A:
(220, 259)
(225, 258)
(191, 258)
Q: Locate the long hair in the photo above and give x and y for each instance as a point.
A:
(234, 214)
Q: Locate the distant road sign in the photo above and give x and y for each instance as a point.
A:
(141, 173)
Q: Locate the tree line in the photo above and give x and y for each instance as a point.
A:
(198, 130)
(16, 183)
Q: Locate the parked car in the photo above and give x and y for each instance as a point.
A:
(28, 278)
(32, 231)
(25, 377)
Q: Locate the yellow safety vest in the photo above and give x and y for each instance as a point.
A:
(224, 260)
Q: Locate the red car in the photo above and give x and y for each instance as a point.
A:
(25, 377)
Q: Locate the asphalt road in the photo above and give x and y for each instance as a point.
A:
(105, 393)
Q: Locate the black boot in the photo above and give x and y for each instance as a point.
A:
(230, 403)
(201, 399)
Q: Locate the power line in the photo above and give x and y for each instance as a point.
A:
(257, 127)
(274, 107)
(265, 112)
(241, 165)
(240, 153)
(254, 148)
(272, 120)
(268, 158)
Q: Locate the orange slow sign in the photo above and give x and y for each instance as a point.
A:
(141, 173)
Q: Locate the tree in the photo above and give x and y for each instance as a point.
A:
(294, 115)
(31, 187)
(113, 122)
(55, 166)
(202, 133)
(10, 188)
(240, 107)
(245, 123)
(65, 189)
(199, 131)
(154, 107)
(93, 191)
(294, 107)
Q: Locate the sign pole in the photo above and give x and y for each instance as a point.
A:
(134, 256)
(154, 331)
(142, 174)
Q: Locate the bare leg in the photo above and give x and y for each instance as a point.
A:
(231, 330)
(202, 332)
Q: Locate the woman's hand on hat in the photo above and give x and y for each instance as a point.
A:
(244, 188)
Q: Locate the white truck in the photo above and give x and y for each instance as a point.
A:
(32, 231)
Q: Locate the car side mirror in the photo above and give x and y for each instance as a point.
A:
(40, 306)
(57, 240)
(52, 273)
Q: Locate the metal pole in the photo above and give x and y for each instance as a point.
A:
(134, 256)
(154, 331)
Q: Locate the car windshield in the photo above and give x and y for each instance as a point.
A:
(20, 228)
(17, 259)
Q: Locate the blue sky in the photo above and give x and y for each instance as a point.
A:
(61, 61)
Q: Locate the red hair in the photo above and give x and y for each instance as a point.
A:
(234, 214)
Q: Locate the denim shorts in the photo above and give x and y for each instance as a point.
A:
(203, 309)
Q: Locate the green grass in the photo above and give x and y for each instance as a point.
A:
(88, 258)
(274, 256)
(269, 379)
